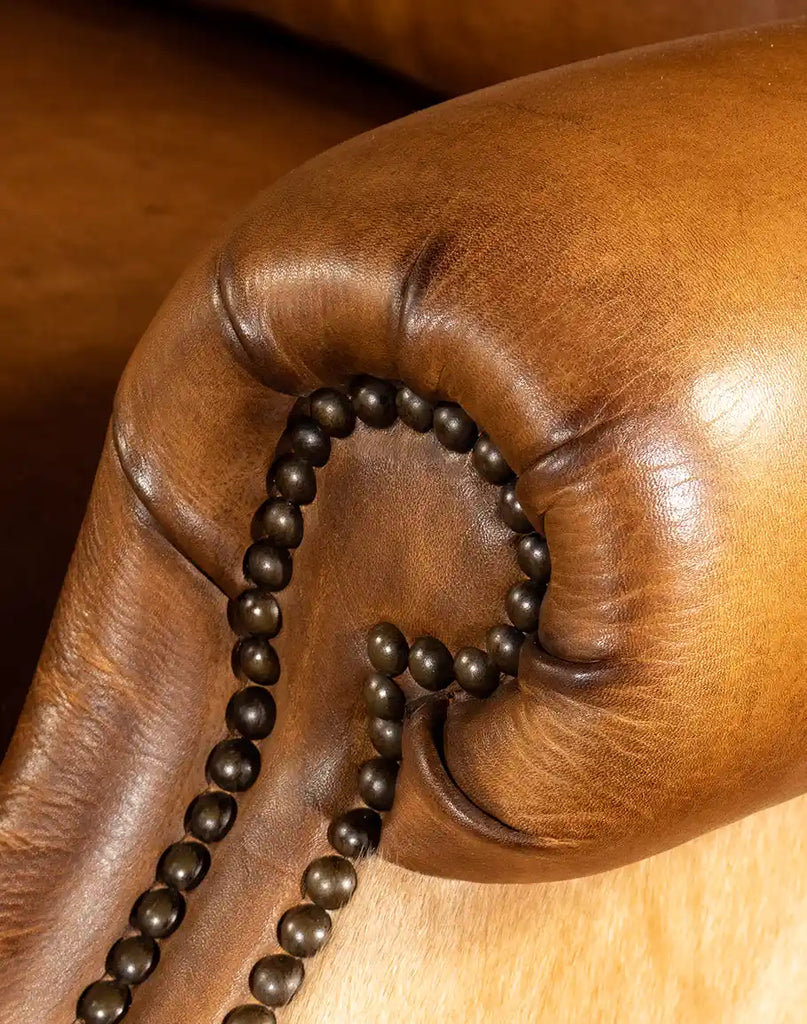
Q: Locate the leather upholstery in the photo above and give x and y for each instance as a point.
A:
(605, 267)
(459, 45)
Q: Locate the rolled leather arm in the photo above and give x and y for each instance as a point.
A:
(604, 267)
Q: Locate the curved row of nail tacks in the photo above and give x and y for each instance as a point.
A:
(234, 764)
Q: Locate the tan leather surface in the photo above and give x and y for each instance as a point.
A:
(605, 267)
(459, 45)
(128, 137)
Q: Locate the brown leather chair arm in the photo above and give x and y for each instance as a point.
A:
(605, 267)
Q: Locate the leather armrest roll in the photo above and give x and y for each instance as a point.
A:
(604, 266)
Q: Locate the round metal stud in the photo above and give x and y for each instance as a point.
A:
(294, 479)
(374, 402)
(309, 441)
(256, 660)
(511, 511)
(267, 566)
(304, 930)
(252, 712)
(158, 912)
(333, 412)
(329, 882)
(183, 865)
(355, 833)
(386, 737)
(533, 557)
(250, 1013)
(281, 521)
(377, 779)
(210, 816)
(132, 960)
(489, 462)
(103, 1002)
(430, 663)
(503, 645)
(387, 648)
(234, 765)
(523, 604)
(475, 672)
(275, 980)
(414, 411)
(384, 698)
(254, 612)
(454, 428)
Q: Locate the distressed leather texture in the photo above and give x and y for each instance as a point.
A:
(605, 266)
(459, 45)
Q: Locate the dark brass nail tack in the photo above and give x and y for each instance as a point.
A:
(511, 511)
(234, 765)
(386, 737)
(387, 648)
(503, 644)
(210, 816)
(383, 697)
(377, 779)
(250, 1013)
(255, 612)
(183, 865)
(430, 663)
(251, 712)
(282, 522)
(304, 930)
(533, 557)
(309, 441)
(103, 1002)
(374, 402)
(454, 428)
(333, 411)
(329, 882)
(267, 565)
(294, 479)
(275, 980)
(523, 604)
(131, 960)
(355, 833)
(413, 410)
(158, 912)
(255, 659)
(476, 672)
(490, 463)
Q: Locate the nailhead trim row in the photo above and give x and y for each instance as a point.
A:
(255, 616)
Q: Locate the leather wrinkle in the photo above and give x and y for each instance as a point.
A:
(141, 497)
(234, 325)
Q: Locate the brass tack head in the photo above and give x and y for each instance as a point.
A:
(355, 833)
(374, 402)
(377, 778)
(511, 511)
(276, 979)
(387, 648)
(329, 882)
(454, 428)
(304, 930)
(414, 411)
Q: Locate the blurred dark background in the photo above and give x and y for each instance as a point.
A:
(131, 132)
